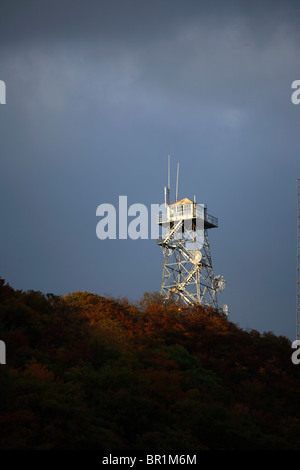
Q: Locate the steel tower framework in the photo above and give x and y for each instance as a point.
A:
(187, 267)
(298, 263)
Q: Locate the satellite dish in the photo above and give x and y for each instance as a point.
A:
(196, 257)
(218, 284)
(225, 310)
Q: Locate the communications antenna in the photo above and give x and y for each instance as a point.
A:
(176, 196)
(298, 263)
(187, 267)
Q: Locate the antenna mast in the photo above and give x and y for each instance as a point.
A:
(298, 263)
(176, 198)
(167, 190)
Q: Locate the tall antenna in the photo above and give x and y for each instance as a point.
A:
(298, 263)
(167, 190)
(169, 171)
(176, 198)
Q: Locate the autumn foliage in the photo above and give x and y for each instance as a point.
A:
(89, 372)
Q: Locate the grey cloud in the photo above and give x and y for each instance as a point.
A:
(98, 93)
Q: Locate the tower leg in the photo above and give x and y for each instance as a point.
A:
(187, 272)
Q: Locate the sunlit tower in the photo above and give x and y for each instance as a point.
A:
(187, 267)
(298, 263)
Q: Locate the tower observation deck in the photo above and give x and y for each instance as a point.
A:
(186, 210)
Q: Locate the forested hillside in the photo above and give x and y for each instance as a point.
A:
(88, 372)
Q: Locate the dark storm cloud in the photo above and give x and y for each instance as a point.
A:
(192, 50)
(98, 93)
(188, 48)
(136, 20)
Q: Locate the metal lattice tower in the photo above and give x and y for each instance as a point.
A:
(187, 268)
(298, 263)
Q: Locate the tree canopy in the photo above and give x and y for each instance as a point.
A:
(90, 372)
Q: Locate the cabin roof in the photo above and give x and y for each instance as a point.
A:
(181, 202)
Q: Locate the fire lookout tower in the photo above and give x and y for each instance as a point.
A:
(187, 267)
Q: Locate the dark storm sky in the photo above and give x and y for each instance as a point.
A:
(100, 92)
